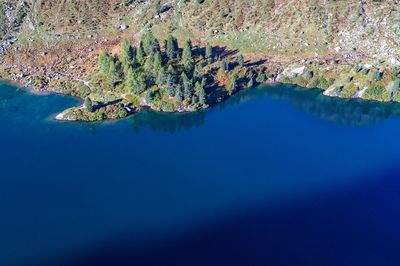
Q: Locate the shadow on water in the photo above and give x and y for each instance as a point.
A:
(352, 112)
(310, 232)
(167, 122)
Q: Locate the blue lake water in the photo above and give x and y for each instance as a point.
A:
(276, 175)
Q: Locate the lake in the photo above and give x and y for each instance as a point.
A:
(276, 175)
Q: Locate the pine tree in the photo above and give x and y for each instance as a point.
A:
(169, 86)
(233, 83)
(88, 105)
(148, 65)
(149, 96)
(112, 72)
(195, 99)
(187, 87)
(155, 47)
(201, 93)
(188, 92)
(147, 39)
(187, 59)
(157, 64)
(240, 60)
(261, 78)
(202, 96)
(225, 65)
(171, 47)
(150, 44)
(209, 51)
(127, 55)
(161, 77)
(203, 82)
(130, 80)
(198, 71)
(184, 79)
(171, 70)
(104, 63)
(140, 54)
(139, 85)
(178, 93)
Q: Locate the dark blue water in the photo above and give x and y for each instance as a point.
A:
(276, 175)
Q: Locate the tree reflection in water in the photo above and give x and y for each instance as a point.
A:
(167, 122)
(352, 112)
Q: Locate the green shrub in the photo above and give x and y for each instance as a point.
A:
(376, 92)
(376, 75)
(357, 69)
(364, 71)
(348, 79)
(393, 87)
(262, 77)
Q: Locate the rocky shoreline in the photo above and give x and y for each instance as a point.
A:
(303, 73)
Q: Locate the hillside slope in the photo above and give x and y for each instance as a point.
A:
(350, 48)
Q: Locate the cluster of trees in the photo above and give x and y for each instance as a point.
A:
(174, 71)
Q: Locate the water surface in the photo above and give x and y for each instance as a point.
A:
(277, 175)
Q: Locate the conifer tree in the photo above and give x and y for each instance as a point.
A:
(150, 44)
(209, 51)
(187, 87)
(139, 84)
(169, 86)
(157, 64)
(149, 96)
(202, 96)
(171, 70)
(225, 65)
(104, 63)
(88, 105)
(155, 47)
(187, 59)
(171, 47)
(130, 79)
(127, 55)
(112, 72)
(198, 71)
(233, 83)
(261, 78)
(148, 65)
(195, 99)
(178, 93)
(203, 82)
(161, 77)
(184, 79)
(201, 93)
(188, 92)
(240, 60)
(140, 54)
(147, 39)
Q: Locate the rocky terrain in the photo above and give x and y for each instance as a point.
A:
(348, 48)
